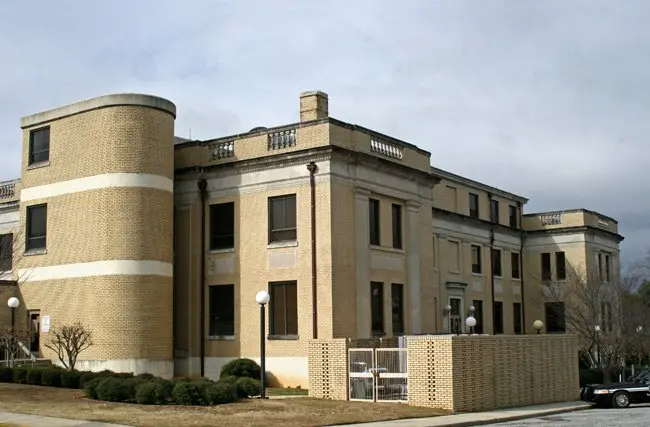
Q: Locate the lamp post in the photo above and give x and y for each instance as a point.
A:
(13, 304)
(447, 314)
(262, 298)
(538, 325)
(470, 322)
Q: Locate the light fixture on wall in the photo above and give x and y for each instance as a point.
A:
(538, 325)
(262, 298)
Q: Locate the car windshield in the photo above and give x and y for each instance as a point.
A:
(641, 377)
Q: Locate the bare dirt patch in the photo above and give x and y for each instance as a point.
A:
(288, 412)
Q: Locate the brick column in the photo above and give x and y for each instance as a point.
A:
(413, 265)
(362, 261)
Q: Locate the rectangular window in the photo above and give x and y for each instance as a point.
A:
(377, 307)
(36, 227)
(514, 265)
(607, 268)
(282, 218)
(494, 211)
(473, 205)
(555, 319)
(514, 216)
(434, 251)
(600, 266)
(397, 300)
(222, 226)
(39, 145)
(516, 318)
(283, 309)
(498, 317)
(476, 259)
(374, 222)
(496, 262)
(478, 315)
(6, 252)
(222, 310)
(560, 266)
(397, 226)
(546, 266)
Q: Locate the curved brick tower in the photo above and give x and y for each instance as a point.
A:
(96, 214)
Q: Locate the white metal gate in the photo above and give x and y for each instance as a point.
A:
(378, 375)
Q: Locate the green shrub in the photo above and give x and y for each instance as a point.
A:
(90, 386)
(247, 387)
(33, 376)
(229, 379)
(51, 377)
(166, 388)
(220, 393)
(130, 385)
(241, 368)
(6, 374)
(113, 389)
(145, 376)
(189, 393)
(70, 379)
(151, 393)
(20, 375)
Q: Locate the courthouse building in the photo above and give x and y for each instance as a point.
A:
(159, 244)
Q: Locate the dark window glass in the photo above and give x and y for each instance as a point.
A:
(222, 226)
(374, 222)
(546, 266)
(222, 310)
(514, 262)
(498, 317)
(282, 218)
(377, 307)
(36, 227)
(478, 315)
(283, 308)
(473, 205)
(516, 316)
(476, 259)
(39, 145)
(397, 299)
(496, 262)
(514, 216)
(397, 226)
(6, 252)
(560, 265)
(555, 319)
(494, 211)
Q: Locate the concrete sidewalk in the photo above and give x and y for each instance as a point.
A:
(482, 418)
(21, 420)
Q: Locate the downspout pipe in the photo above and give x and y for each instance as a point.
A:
(203, 185)
(312, 168)
(521, 269)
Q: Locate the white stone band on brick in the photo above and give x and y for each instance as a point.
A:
(97, 268)
(98, 182)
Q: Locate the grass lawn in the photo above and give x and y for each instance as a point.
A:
(294, 412)
(279, 391)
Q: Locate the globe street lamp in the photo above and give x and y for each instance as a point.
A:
(470, 322)
(447, 314)
(538, 325)
(13, 304)
(262, 298)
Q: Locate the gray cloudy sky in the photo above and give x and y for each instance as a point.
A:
(549, 99)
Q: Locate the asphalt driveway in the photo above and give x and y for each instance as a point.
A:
(637, 415)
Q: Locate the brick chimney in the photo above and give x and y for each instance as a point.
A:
(313, 105)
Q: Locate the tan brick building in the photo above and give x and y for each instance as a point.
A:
(352, 232)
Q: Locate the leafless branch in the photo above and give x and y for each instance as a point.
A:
(9, 339)
(68, 341)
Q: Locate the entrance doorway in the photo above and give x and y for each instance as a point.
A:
(35, 332)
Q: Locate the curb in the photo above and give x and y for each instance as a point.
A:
(512, 418)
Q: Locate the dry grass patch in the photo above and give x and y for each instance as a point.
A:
(290, 412)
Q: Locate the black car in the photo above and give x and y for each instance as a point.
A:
(619, 395)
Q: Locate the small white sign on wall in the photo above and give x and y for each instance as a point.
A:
(45, 324)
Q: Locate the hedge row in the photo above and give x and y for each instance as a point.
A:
(239, 379)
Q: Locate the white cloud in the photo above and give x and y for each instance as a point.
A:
(546, 99)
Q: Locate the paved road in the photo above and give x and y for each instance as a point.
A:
(634, 416)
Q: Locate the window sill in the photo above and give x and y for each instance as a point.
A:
(516, 279)
(477, 274)
(283, 337)
(221, 251)
(498, 277)
(455, 272)
(32, 252)
(287, 244)
(386, 249)
(38, 165)
(221, 338)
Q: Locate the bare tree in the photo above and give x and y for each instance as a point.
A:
(10, 339)
(68, 341)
